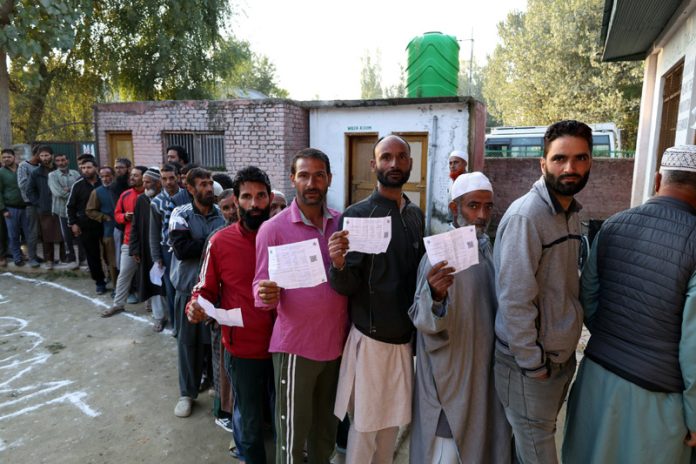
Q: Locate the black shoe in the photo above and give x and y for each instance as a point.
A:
(19, 263)
(101, 289)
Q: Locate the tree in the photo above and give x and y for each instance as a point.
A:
(548, 67)
(31, 30)
(371, 76)
(239, 70)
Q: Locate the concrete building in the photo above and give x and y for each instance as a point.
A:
(228, 135)
(663, 33)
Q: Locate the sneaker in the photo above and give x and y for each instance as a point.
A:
(132, 299)
(225, 423)
(101, 289)
(47, 265)
(183, 407)
(34, 263)
(19, 263)
(234, 452)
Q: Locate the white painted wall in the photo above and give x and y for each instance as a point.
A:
(328, 128)
(680, 44)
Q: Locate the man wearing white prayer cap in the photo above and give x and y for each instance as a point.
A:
(457, 416)
(457, 163)
(638, 292)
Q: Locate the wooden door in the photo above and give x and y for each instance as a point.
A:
(120, 146)
(416, 186)
(362, 181)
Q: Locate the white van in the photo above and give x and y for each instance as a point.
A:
(528, 141)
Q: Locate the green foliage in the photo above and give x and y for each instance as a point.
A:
(371, 76)
(240, 70)
(548, 67)
(67, 55)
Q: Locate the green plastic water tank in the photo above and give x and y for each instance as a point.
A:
(433, 66)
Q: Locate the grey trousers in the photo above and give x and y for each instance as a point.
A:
(33, 238)
(125, 278)
(193, 342)
(532, 406)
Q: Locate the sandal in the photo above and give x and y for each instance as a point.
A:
(158, 326)
(112, 311)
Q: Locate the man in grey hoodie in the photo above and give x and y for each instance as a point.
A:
(539, 315)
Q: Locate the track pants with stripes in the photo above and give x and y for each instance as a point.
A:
(305, 396)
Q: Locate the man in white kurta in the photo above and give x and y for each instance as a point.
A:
(457, 416)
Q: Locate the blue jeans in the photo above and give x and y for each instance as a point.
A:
(17, 222)
(532, 405)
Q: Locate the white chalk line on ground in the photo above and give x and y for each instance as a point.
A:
(94, 301)
(32, 392)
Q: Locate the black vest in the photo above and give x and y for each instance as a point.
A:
(645, 259)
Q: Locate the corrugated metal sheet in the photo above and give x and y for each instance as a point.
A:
(630, 27)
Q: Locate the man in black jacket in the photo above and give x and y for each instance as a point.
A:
(381, 289)
(82, 225)
(40, 196)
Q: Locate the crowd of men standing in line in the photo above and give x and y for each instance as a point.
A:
(494, 343)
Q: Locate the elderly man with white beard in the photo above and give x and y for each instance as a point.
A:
(457, 416)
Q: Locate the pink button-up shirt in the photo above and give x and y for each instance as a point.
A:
(311, 322)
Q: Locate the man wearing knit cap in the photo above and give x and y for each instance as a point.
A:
(634, 399)
(279, 202)
(140, 248)
(457, 416)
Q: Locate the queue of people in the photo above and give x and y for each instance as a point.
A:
(494, 344)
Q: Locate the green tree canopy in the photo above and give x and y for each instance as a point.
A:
(548, 67)
(68, 54)
(371, 76)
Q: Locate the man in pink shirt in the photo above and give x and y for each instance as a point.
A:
(312, 323)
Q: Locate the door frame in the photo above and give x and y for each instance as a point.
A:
(348, 162)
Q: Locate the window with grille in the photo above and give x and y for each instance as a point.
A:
(207, 149)
(671, 95)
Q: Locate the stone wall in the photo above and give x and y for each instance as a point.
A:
(607, 192)
(265, 133)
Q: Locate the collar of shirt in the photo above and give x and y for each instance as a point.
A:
(296, 215)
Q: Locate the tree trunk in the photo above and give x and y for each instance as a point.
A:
(5, 126)
(38, 103)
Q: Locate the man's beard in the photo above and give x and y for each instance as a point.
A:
(205, 200)
(383, 176)
(150, 192)
(253, 222)
(454, 174)
(555, 183)
(481, 225)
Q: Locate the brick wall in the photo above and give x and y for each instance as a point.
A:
(265, 133)
(608, 191)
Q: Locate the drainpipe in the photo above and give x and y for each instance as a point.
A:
(429, 178)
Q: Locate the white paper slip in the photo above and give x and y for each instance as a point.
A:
(296, 265)
(459, 247)
(228, 317)
(156, 274)
(368, 235)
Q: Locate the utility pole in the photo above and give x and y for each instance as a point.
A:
(470, 80)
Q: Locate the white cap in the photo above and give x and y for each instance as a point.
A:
(217, 189)
(459, 154)
(470, 182)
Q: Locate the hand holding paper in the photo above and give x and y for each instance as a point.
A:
(228, 317)
(368, 235)
(459, 247)
(296, 265)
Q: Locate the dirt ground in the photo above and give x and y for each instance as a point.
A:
(76, 388)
